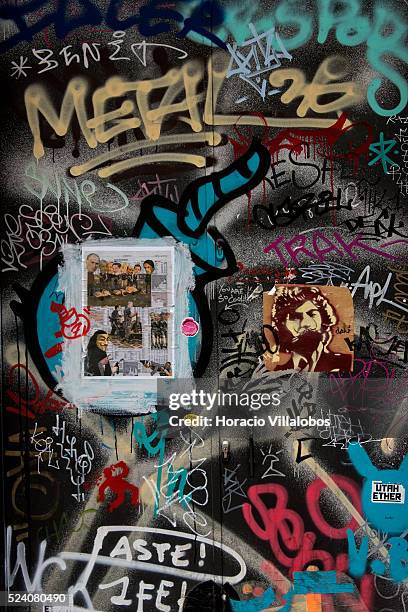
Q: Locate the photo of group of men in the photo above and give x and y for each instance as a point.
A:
(110, 281)
(126, 326)
(158, 327)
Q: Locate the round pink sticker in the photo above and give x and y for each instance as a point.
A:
(189, 327)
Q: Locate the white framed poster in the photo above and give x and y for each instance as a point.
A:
(129, 295)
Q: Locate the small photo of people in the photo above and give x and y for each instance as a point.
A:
(159, 282)
(97, 362)
(102, 357)
(157, 369)
(126, 326)
(159, 330)
(113, 281)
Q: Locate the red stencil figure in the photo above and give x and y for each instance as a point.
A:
(115, 481)
(73, 325)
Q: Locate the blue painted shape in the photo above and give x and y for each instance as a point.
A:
(158, 435)
(330, 17)
(145, 441)
(202, 21)
(206, 198)
(387, 38)
(378, 567)
(391, 517)
(48, 323)
(176, 483)
(235, 179)
(60, 18)
(319, 582)
(288, 601)
(357, 557)
(380, 149)
(398, 559)
(256, 604)
(151, 20)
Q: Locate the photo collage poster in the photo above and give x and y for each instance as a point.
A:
(129, 294)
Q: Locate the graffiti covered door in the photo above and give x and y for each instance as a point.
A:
(204, 332)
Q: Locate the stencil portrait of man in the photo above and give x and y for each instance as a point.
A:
(300, 327)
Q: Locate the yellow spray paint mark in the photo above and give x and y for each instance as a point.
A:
(136, 112)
